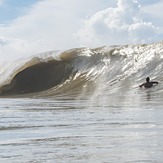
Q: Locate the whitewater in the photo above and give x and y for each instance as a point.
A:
(83, 105)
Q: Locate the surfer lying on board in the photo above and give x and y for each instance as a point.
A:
(148, 83)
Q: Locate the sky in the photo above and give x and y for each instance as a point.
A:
(36, 26)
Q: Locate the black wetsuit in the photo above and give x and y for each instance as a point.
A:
(148, 84)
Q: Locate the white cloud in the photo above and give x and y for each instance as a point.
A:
(120, 25)
(142, 32)
(155, 11)
(11, 48)
(48, 25)
(45, 27)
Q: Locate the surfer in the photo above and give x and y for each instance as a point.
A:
(148, 83)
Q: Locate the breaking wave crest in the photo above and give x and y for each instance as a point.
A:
(82, 71)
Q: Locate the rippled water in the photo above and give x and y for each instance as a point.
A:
(102, 129)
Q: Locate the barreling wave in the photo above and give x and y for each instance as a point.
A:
(82, 71)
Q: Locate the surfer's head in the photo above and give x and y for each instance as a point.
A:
(147, 79)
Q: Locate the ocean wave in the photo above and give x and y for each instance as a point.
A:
(82, 70)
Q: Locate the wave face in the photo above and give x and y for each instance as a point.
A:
(83, 71)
